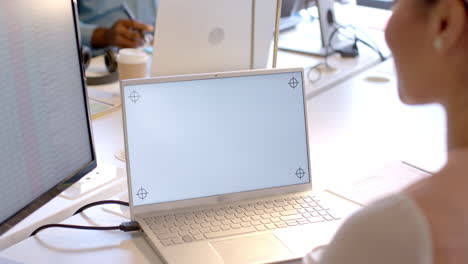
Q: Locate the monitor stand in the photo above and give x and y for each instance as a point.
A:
(308, 46)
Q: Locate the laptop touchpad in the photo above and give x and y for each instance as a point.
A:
(251, 249)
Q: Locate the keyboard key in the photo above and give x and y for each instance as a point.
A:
(246, 219)
(334, 215)
(225, 227)
(266, 216)
(184, 233)
(265, 221)
(236, 221)
(302, 221)
(177, 241)
(323, 213)
(220, 218)
(187, 238)
(161, 231)
(245, 224)
(270, 226)
(216, 223)
(156, 226)
(256, 217)
(316, 219)
(226, 222)
(249, 213)
(259, 207)
(199, 237)
(195, 226)
(185, 228)
(220, 212)
(215, 228)
(210, 219)
(230, 216)
(256, 223)
(189, 222)
(297, 206)
(194, 232)
(200, 221)
(235, 226)
(291, 217)
(278, 209)
(288, 207)
(239, 215)
(174, 229)
(275, 219)
(260, 228)
(167, 236)
(240, 210)
(291, 223)
(250, 208)
(323, 205)
(275, 214)
(315, 214)
(328, 218)
(231, 232)
(205, 224)
(280, 204)
(293, 202)
(269, 211)
(205, 230)
(281, 224)
(290, 212)
(259, 212)
(167, 242)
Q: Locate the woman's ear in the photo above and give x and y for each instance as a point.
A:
(447, 24)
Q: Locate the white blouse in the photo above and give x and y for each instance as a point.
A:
(389, 231)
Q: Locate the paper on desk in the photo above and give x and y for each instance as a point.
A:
(392, 178)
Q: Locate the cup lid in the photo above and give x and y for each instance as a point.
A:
(132, 56)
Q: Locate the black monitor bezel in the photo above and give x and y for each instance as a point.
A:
(11, 221)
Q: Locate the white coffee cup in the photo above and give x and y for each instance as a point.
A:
(132, 64)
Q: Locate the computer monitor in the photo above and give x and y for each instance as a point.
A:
(305, 41)
(45, 130)
(212, 36)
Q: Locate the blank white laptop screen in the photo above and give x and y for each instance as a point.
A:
(198, 138)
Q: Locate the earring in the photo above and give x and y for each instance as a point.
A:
(437, 44)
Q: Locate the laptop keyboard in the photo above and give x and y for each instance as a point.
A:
(173, 229)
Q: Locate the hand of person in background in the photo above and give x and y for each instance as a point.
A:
(125, 33)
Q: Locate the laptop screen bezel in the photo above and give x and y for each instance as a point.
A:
(215, 199)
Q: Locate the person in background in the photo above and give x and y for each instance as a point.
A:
(428, 222)
(105, 23)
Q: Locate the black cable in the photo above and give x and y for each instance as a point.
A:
(126, 227)
(382, 57)
(374, 47)
(100, 203)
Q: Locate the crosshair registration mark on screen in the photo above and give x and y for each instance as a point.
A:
(142, 193)
(293, 83)
(300, 173)
(134, 96)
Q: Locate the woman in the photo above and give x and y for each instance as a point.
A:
(428, 222)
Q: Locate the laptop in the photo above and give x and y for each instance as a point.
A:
(212, 35)
(218, 166)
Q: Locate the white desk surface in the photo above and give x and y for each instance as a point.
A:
(354, 128)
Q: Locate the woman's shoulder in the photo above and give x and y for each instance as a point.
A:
(391, 230)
